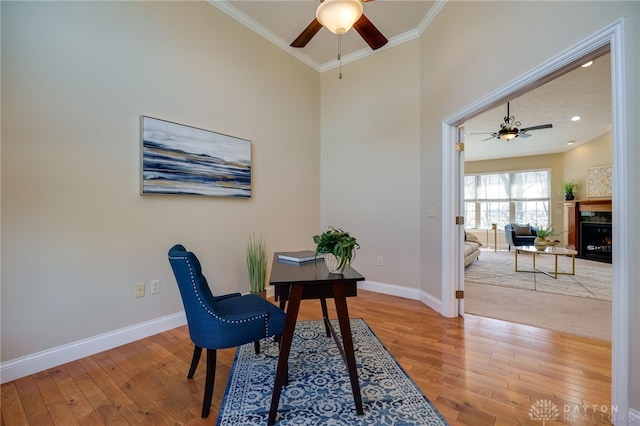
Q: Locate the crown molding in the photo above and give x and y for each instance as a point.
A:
(258, 28)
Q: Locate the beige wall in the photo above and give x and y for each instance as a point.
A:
(596, 152)
(370, 161)
(76, 233)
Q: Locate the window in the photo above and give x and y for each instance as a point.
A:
(518, 197)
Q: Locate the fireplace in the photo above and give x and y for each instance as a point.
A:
(595, 241)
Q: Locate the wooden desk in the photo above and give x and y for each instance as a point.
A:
(311, 280)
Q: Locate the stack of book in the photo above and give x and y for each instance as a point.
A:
(299, 256)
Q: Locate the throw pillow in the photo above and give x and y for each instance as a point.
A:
(522, 230)
(472, 237)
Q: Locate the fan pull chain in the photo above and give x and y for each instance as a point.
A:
(340, 55)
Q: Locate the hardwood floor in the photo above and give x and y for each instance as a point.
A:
(476, 371)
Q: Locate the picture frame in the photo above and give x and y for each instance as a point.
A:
(599, 181)
(184, 160)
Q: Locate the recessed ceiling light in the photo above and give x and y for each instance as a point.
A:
(576, 118)
(571, 142)
(588, 64)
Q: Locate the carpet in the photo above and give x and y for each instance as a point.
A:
(592, 279)
(319, 391)
(578, 305)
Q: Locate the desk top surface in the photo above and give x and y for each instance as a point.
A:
(283, 272)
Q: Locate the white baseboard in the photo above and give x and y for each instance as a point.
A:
(406, 292)
(30, 364)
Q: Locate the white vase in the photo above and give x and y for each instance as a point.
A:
(332, 263)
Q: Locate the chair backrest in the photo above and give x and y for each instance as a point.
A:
(199, 303)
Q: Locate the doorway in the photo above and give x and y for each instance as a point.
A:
(519, 181)
(610, 38)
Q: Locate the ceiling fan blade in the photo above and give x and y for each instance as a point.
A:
(524, 135)
(370, 33)
(308, 33)
(493, 135)
(542, 126)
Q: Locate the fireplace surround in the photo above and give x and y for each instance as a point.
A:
(588, 225)
(595, 241)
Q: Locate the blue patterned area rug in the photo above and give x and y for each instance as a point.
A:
(319, 391)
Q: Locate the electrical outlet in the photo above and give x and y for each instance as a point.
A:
(139, 289)
(379, 260)
(155, 286)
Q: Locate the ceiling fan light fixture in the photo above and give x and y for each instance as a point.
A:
(508, 134)
(338, 16)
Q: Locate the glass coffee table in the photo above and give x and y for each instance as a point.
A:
(549, 251)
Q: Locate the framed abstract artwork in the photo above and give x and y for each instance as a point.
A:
(185, 160)
(599, 181)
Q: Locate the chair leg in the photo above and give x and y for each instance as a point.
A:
(208, 384)
(194, 361)
(256, 347)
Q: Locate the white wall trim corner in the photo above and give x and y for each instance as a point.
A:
(390, 289)
(405, 292)
(30, 364)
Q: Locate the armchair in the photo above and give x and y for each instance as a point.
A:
(220, 322)
(519, 235)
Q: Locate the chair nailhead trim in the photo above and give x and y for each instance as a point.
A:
(209, 311)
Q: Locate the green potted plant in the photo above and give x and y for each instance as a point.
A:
(257, 264)
(338, 247)
(569, 188)
(541, 242)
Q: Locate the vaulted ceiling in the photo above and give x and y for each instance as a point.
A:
(585, 92)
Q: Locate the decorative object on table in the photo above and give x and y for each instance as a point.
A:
(541, 242)
(257, 264)
(338, 247)
(299, 256)
(184, 160)
(569, 189)
(320, 394)
(599, 181)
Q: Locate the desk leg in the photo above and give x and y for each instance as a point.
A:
(325, 315)
(347, 341)
(295, 295)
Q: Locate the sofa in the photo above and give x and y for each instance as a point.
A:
(519, 235)
(471, 248)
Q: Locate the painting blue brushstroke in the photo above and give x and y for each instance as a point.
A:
(178, 159)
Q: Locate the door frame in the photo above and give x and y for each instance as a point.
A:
(612, 38)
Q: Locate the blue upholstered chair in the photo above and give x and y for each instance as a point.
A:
(219, 322)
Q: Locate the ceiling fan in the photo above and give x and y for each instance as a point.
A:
(362, 25)
(510, 129)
